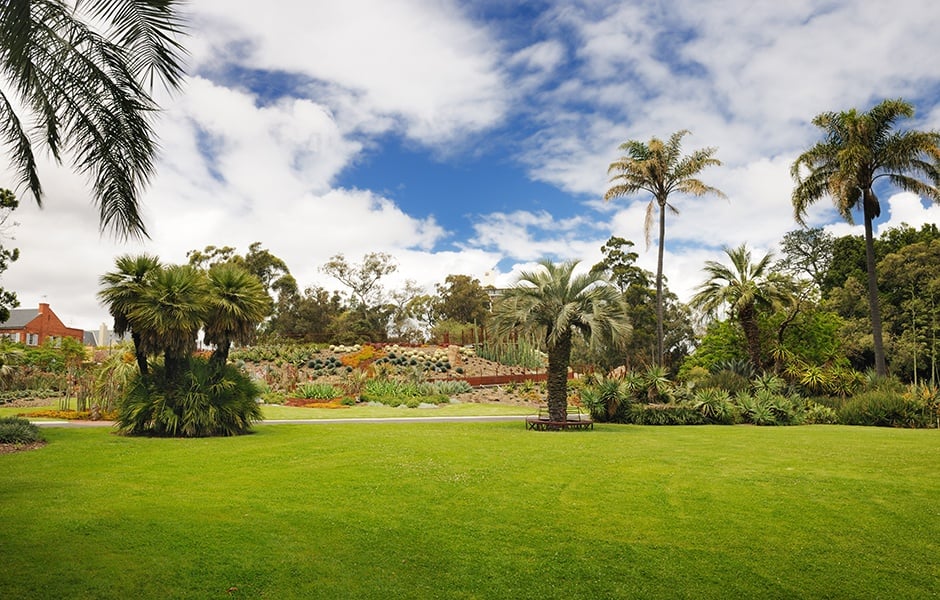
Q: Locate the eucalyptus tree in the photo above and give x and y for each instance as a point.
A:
(659, 169)
(858, 150)
(77, 80)
(743, 289)
(121, 290)
(556, 304)
(809, 253)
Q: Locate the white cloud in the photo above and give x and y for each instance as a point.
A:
(238, 168)
(421, 62)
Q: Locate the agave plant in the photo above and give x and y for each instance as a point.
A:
(657, 384)
(606, 397)
(714, 404)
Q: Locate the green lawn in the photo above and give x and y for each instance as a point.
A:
(463, 409)
(475, 510)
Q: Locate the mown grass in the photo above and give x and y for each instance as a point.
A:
(478, 510)
(366, 411)
(361, 411)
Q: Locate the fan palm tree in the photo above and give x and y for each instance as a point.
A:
(555, 303)
(744, 289)
(657, 168)
(858, 150)
(170, 312)
(76, 75)
(238, 302)
(122, 290)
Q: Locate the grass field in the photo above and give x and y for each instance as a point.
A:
(362, 411)
(475, 510)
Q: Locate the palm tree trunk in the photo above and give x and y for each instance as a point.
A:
(659, 285)
(873, 303)
(559, 356)
(138, 354)
(220, 355)
(751, 334)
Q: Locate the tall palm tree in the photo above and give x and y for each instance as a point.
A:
(170, 312)
(122, 290)
(744, 289)
(657, 168)
(857, 150)
(76, 75)
(238, 302)
(556, 303)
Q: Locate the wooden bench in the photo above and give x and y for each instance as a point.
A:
(542, 421)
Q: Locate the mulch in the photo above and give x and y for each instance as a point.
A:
(10, 448)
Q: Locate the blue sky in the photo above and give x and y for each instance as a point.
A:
(474, 137)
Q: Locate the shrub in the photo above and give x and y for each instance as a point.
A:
(394, 392)
(728, 380)
(317, 391)
(203, 402)
(766, 408)
(715, 406)
(818, 414)
(608, 399)
(17, 430)
(886, 407)
(665, 414)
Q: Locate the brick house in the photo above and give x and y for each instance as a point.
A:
(33, 327)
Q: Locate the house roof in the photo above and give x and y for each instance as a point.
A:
(19, 318)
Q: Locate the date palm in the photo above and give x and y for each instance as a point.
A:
(857, 150)
(76, 78)
(657, 168)
(238, 302)
(744, 289)
(556, 304)
(121, 290)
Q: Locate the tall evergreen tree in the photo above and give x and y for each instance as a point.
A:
(659, 169)
(859, 149)
(743, 288)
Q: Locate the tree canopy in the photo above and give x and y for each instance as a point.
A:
(77, 81)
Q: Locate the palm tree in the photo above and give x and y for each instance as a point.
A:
(857, 150)
(744, 288)
(122, 290)
(170, 312)
(86, 92)
(555, 303)
(238, 303)
(658, 169)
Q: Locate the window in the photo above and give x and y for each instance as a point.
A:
(32, 339)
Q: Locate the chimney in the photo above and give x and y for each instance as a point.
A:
(43, 307)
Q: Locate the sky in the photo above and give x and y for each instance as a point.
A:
(474, 137)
